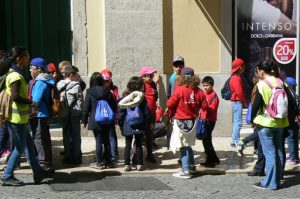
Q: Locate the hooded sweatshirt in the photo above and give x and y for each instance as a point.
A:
(93, 95)
(71, 97)
(40, 91)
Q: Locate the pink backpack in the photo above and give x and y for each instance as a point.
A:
(278, 103)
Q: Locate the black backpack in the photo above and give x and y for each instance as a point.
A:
(225, 91)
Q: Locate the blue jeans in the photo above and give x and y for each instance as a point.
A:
(187, 157)
(237, 110)
(23, 143)
(271, 141)
(6, 139)
(292, 141)
(113, 143)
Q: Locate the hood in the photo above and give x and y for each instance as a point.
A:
(131, 100)
(99, 92)
(47, 78)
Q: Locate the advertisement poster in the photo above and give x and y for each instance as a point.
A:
(267, 29)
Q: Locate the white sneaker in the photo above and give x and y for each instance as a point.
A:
(182, 174)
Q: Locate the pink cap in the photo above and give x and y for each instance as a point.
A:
(147, 70)
(106, 77)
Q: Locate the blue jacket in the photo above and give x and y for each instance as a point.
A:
(41, 93)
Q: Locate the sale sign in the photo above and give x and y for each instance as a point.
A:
(284, 50)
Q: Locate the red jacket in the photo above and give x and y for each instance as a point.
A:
(151, 97)
(237, 89)
(213, 104)
(185, 103)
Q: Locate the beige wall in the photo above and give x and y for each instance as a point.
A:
(195, 33)
(96, 35)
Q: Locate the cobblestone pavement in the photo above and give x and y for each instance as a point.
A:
(206, 186)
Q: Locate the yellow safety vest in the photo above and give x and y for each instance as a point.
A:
(262, 118)
(20, 112)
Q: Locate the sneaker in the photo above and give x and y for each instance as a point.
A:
(96, 165)
(291, 162)
(43, 175)
(183, 174)
(133, 167)
(5, 156)
(255, 173)
(139, 167)
(127, 168)
(193, 169)
(208, 164)
(259, 186)
(11, 181)
(241, 147)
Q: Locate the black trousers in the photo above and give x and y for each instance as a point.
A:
(42, 140)
(210, 153)
(139, 149)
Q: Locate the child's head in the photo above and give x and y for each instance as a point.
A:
(238, 66)
(19, 56)
(107, 76)
(96, 79)
(62, 66)
(178, 64)
(4, 64)
(147, 73)
(208, 84)
(135, 83)
(37, 65)
(188, 78)
(71, 73)
(291, 82)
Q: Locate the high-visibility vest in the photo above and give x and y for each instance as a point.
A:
(20, 112)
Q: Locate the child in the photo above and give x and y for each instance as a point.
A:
(71, 97)
(213, 103)
(184, 105)
(151, 95)
(113, 141)
(133, 99)
(98, 91)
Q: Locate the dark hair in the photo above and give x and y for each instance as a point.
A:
(270, 67)
(208, 80)
(96, 79)
(4, 64)
(135, 83)
(3, 53)
(70, 71)
(15, 52)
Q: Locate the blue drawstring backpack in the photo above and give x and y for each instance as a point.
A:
(134, 116)
(104, 114)
(201, 129)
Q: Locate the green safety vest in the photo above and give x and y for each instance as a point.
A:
(262, 118)
(20, 112)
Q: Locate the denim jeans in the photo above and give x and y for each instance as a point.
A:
(72, 138)
(271, 141)
(187, 157)
(6, 139)
(42, 140)
(113, 143)
(237, 110)
(209, 150)
(292, 141)
(102, 138)
(23, 143)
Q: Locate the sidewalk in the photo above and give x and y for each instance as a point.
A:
(231, 161)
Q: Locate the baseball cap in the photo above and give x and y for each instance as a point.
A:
(106, 76)
(146, 70)
(39, 62)
(106, 71)
(237, 64)
(187, 71)
(290, 81)
(178, 58)
(51, 67)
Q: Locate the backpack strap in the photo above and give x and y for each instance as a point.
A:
(278, 82)
(212, 99)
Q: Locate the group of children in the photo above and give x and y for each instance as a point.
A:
(136, 112)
